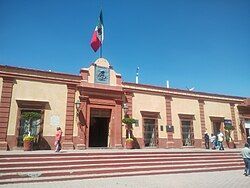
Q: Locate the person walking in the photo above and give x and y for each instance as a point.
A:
(213, 141)
(220, 137)
(58, 138)
(206, 137)
(245, 152)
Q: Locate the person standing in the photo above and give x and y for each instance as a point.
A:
(245, 152)
(220, 137)
(58, 139)
(206, 136)
(213, 141)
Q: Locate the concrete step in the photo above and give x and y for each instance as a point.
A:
(117, 158)
(121, 168)
(60, 156)
(29, 178)
(62, 166)
(110, 153)
(108, 161)
(121, 164)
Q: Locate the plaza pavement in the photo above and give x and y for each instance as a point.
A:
(228, 179)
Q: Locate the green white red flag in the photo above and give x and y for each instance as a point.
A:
(98, 35)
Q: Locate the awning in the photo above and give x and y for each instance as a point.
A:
(150, 114)
(29, 103)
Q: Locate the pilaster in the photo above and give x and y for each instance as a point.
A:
(68, 139)
(5, 104)
(170, 140)
(129, 97)
(82, 124)
(118, 123)
(202, 119)
(232, 108)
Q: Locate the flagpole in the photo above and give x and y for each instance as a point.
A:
(101, 20)
(102, 31)
(101, 51)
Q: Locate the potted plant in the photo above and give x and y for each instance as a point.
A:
(129, 143)
(128, 122)
(28, 142)
(229, 128)
(29, 138)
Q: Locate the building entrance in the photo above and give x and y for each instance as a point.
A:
(216, 127)
(99, 128)
(30, 124)
(150, 133)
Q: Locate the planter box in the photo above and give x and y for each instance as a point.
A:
(27, 145)
(129, 144)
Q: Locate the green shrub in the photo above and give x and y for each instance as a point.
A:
(128, 121)
(28, 138)
(229, 128)
(129, 139)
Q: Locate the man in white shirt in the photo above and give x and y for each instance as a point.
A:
(245, 152)
(220, 137)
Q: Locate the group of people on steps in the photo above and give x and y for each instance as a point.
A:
(215, 140)
(217, 143)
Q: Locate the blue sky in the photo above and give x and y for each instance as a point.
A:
(192, 43)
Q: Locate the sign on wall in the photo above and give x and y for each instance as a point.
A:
(228, 122)
(102, 75)
(170, 128)
(55, 120)
(136, 124)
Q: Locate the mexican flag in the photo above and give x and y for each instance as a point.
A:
(98, 34)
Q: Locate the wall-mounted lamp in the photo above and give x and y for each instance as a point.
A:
(78, 104)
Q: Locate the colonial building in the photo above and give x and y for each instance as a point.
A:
(89, 108)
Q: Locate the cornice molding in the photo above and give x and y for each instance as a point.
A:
(38, 75)
(180, 93)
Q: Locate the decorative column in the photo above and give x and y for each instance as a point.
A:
(5, 110)
(170, 140)
(202, 119)
(234, 123)
(118, 123)
(69, 125)
(82, 123)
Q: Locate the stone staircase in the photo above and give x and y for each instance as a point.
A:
(40, 167)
